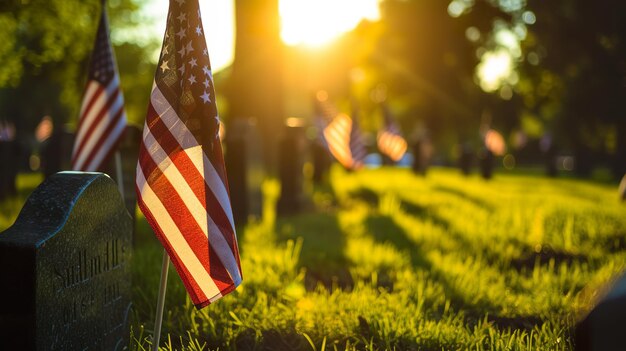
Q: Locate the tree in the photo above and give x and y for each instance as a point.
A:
(45, 47)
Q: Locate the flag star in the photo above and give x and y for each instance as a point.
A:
(181, 33)
(205, 97)
(164, 66)
(192, 62)
(182, 69)
(198, 30)
(180, 2)
(189, 48)
(166, 50)
(198, 13)
(205, 52)
(182, 51)
(207, 71)
(191, 79)
(182, 17)
(206, 83)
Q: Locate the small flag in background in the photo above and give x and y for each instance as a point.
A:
(181, 180)
(102, 118)
(345, 140)
(390, 140)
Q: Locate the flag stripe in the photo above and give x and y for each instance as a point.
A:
(96, 119)
(181, 179)
(92, 94)
(107, 140)
(183, 220)
(186, 140)
(189, 218)
(102, 119)
(344, 143)
(98, 122)
(190, 284)
(190, 268)
(195, 202)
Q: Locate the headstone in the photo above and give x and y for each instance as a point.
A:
(56, 152)
(622, 188)
(243, 158)
(290, 164)
(603, 328)
(466, 159)
(321, 161)
(548, 148)
(422, 150)
(64, 268)
(9, 151)
(486, 163)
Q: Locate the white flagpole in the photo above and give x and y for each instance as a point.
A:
(160, 301)
(118, 170)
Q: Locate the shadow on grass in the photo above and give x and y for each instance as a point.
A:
(544, 256)
(384, 229)
(366, 195)
(465, 196)
(323, 248)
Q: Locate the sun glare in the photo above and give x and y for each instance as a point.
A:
(218, 21)
(317, 22)
(495, 68)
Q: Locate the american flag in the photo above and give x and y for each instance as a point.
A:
(390, 140)
(181, 180)
(102, 118)
(345, 140)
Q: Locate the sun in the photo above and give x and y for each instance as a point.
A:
(318, 22)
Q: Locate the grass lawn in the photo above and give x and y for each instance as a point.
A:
(385, 260)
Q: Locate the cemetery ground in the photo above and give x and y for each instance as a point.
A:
(383, 259)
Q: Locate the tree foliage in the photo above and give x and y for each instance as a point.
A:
(45, 47)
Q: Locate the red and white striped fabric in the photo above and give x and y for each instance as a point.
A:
(181, 179)
(102, 118)
(344, 141)
(390, 141)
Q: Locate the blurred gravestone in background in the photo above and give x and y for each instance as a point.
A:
(622, 188)
(56, 152)
(128, 149)
(603, 328)
(243, 157)
(9, 163)
(64, 267)
(466, 158)
(485, 161)
(548, 148)
(290, 163)
(422, 150)
(321, 160)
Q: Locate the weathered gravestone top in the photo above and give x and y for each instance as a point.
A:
(64, 267)
(603, 328)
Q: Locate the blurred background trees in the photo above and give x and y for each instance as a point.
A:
(531, 69)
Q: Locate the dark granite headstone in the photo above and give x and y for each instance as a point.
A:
(603, 328)
(466, 159)
(56, 152)
(9, 151)
(290, 163)
(486, 160)
(64, 268)
(422, 154)
(244, 166)
(321, 161)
